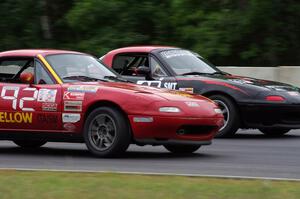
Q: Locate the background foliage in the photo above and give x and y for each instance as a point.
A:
(228, 32)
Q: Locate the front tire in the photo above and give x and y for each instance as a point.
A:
(182, 148)
(30, 143)
(230, 113)
(106, 132)
(274, 132)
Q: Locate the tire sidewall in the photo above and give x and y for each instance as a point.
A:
(234, 120)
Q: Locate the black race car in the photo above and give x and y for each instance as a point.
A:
(272, 107)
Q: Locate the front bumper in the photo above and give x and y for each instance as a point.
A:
(176, 130)
(270, 116)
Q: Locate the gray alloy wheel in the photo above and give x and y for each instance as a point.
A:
(102, 132)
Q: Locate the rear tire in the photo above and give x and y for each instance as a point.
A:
(182, 148)
(230, 113)
(274, 132)
(30, 143)
(106, 132)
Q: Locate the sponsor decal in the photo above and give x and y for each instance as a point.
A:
(293, 93)
(192, 104)
(83, 88)
(73, 95)
(49, 107)
(176, 53)
(47, 118)
(170, 85)
(17, 117)
(241, 81)
(70, 117)
(181, 93)
(73, 106)
(189, 90)
(47, 95)
(69, 126)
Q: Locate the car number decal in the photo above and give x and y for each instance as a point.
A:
(42, 95)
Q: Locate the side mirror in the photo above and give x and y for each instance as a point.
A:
(143, 70)
(27, 78)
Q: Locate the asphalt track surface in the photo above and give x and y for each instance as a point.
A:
(248, 154)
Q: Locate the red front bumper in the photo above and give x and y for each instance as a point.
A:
(164, 128)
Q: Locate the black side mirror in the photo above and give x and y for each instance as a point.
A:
(143, 70)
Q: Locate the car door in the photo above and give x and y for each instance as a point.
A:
(34, 107)
(129, 65)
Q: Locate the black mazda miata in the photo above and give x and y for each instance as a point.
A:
(271, 107)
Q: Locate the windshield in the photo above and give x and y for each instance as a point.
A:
(186, 62)
(75, 67)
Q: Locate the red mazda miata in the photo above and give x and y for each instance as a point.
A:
(66, 96)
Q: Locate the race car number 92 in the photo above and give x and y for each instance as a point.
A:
(14, 97)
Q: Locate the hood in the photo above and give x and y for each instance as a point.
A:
(171, 95)
(241, 80)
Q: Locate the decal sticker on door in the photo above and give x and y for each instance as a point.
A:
(47, 95)
(168, 85)
(12, 93)
(17, 117)
(73, 95)
(70, 117)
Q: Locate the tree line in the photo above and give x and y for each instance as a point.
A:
(227, 32)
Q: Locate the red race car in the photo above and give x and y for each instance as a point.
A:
(55, 95)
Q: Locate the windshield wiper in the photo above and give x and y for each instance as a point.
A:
(196, 73)
(83, 78)
(116, 78)
(219, 73)
(199, 73)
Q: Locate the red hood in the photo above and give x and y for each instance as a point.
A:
(171, 95)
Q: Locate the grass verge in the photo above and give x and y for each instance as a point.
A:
(25, 184)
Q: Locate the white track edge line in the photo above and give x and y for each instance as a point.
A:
(155, 174)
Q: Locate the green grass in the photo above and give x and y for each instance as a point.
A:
(23, 184)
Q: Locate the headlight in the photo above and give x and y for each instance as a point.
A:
(217, 110)
(169, 109)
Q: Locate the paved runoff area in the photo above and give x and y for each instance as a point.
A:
(249, 154)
